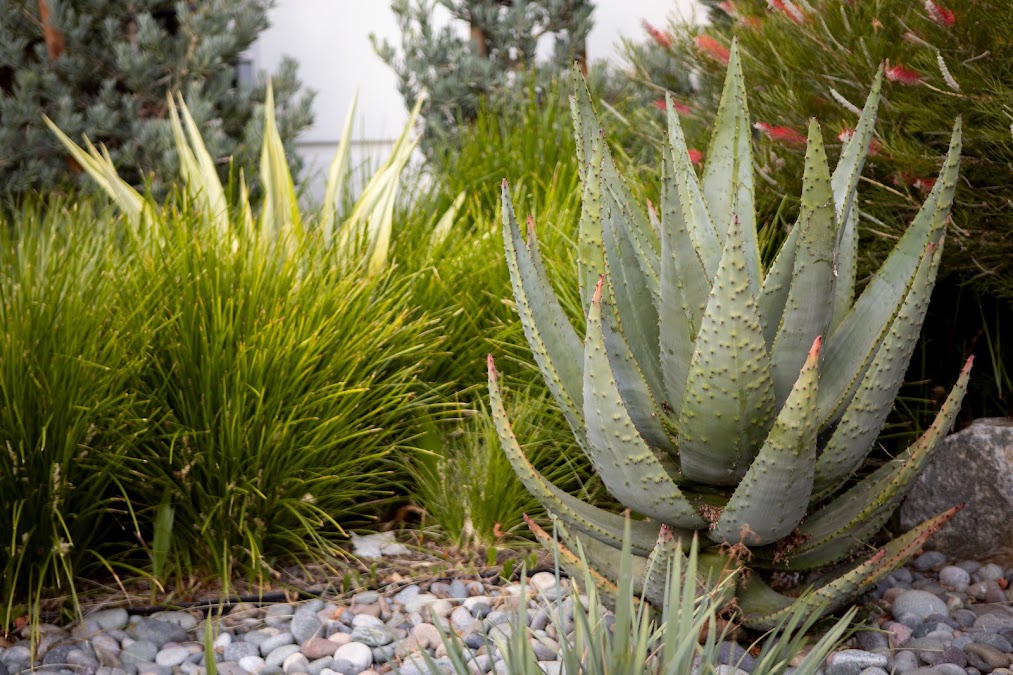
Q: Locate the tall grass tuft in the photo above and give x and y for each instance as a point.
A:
(286, 383)
(70, 351)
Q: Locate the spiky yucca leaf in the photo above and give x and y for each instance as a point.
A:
(694, 395)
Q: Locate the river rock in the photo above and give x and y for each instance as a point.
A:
(973, 467)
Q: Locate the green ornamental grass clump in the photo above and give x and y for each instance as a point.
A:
(715, 397)
(190, 391)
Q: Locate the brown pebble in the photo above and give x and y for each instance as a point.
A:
(372, 610)
(987, 653)
(317, 648)
(891, 594)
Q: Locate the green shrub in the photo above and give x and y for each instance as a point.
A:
(103, 68)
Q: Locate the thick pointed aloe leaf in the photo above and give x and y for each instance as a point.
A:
(587, 131)
(728, 406)
(845, 187)
(763, 607)
(728, 173)
(607, 559)
(845, 269)
(638, 398)
(684, 291)
(590, 247)
(666, 556)
(555, 345)
(777, 283)
(632, 288)
(806, 310)
(644, 252)
(849, 166)
(865, 415)
(628, 467)
(598, 523)
(851, 347)
(695, 211)
(773, 496)
(844, 524)
(280, 213)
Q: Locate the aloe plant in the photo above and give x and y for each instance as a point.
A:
(716, 397)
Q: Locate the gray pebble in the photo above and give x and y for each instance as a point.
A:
(853, 662)
(357, 654)
(252, 664)
(457, 590)
(405, 594)
(271, 643)
(365, 598)
(306, 623)
(371, 631)
(992, 640)
(160, 632)
(904, 661)
(138, 651)
(109, 619)
(184, 620)
(237, 651)
(995, 622)
(956, 578)
(277, 656)
(918, 603)
(295, 663)
(319, 665)
(155, 669)
(928, 560)
(989, 572)
(874, 670)
(278, 615)
(172, 656)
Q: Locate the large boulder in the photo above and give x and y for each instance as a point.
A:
(973, 467)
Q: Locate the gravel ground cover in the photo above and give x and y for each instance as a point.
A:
(932, 617)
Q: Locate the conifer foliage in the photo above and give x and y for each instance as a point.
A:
(480, 53)
(104, 67)
(812, 58)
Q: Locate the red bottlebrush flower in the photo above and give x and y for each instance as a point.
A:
(848, 132)
(944, 17)
(729, 8)
(782, 135)
(680, 108)
(788, 9)
(903, 75)
(924, 185)
(658, 35)
(710, 46)
(695, 156)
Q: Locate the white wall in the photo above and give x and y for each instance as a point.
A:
(329, 39)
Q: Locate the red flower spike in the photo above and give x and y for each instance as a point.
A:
(658, 35)
(782, 135)
(942, 16)
(789, 10)
(710, 46)
(729, 8)
(695, 156)
(680, 108)
(903, 75)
